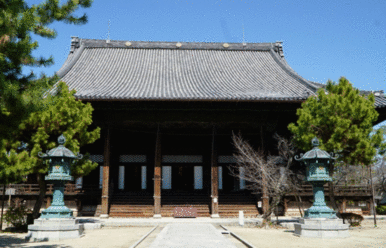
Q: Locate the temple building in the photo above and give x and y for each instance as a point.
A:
(168, 111)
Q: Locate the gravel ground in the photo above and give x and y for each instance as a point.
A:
(366, 236)
(105, 237)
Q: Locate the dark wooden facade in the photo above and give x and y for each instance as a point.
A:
(180, 131)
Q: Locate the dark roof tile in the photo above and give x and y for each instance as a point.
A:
(194, 71)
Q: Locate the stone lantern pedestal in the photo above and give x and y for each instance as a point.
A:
(319, 221)
(54, 229)
(57, 221)
(321, 228)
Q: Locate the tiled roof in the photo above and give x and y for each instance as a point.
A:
(138, 70)
(193, 71)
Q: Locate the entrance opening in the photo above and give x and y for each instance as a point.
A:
(132, 177)
(182, 177)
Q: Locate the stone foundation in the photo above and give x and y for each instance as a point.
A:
(321, 228)
(54, 229)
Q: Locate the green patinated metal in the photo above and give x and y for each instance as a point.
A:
(317, 173)
(60, 159)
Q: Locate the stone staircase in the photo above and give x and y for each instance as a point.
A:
(200, 202)
(132, 206)
(230, 205)
(142, 205)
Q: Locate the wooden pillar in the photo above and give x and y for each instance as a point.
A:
(106, 175)
(157, 176)
(48, 203)
(286, 201)
(344, 205)
(214, 177)
(264, 198)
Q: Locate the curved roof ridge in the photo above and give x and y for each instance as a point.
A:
(74, 58)
(284, 65)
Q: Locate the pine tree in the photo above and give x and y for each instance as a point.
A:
(64, 115)
(17, 22)
(342, 119)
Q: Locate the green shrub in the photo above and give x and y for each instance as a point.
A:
(381, 209)
(17, 217)
(352, 219)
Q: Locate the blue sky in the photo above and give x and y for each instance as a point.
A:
(321, 39)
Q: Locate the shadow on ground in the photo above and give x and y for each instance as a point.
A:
(12, 240)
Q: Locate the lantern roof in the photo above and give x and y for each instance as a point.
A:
(60, 151)
(315, 153)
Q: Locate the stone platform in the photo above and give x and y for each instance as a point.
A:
(54, 229)
(321, 228)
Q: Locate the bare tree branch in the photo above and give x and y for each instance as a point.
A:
(279, 179)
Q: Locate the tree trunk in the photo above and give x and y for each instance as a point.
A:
(42, 194)
(2, 208)
(299, 201)
(270, 209)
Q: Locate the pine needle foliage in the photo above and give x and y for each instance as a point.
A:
(66, 115)
(342, 120)
(18, 92)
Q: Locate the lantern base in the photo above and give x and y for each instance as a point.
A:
(54, 229)
(320, 212)
(321, 228)
(55, 212)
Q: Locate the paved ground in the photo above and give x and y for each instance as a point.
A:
(124, 233)
(191, 236)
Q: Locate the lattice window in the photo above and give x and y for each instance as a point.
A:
(219, 177)
(121, 177)
(96, 158)
(198, 177)
(143, 177)
(100, 176)
(182, 159)
(166, 177)
(242, 181)
(132, 158)
(226, 159)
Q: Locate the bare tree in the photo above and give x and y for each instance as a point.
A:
(263, 171)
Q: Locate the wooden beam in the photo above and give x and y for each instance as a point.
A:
(157, 176)
(214, 177)
(106, 176)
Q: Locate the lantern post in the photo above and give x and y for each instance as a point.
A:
(319, 220)
(57, 221)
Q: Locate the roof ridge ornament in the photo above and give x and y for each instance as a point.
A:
(74, 43)
(279, 48)
(108, 33)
